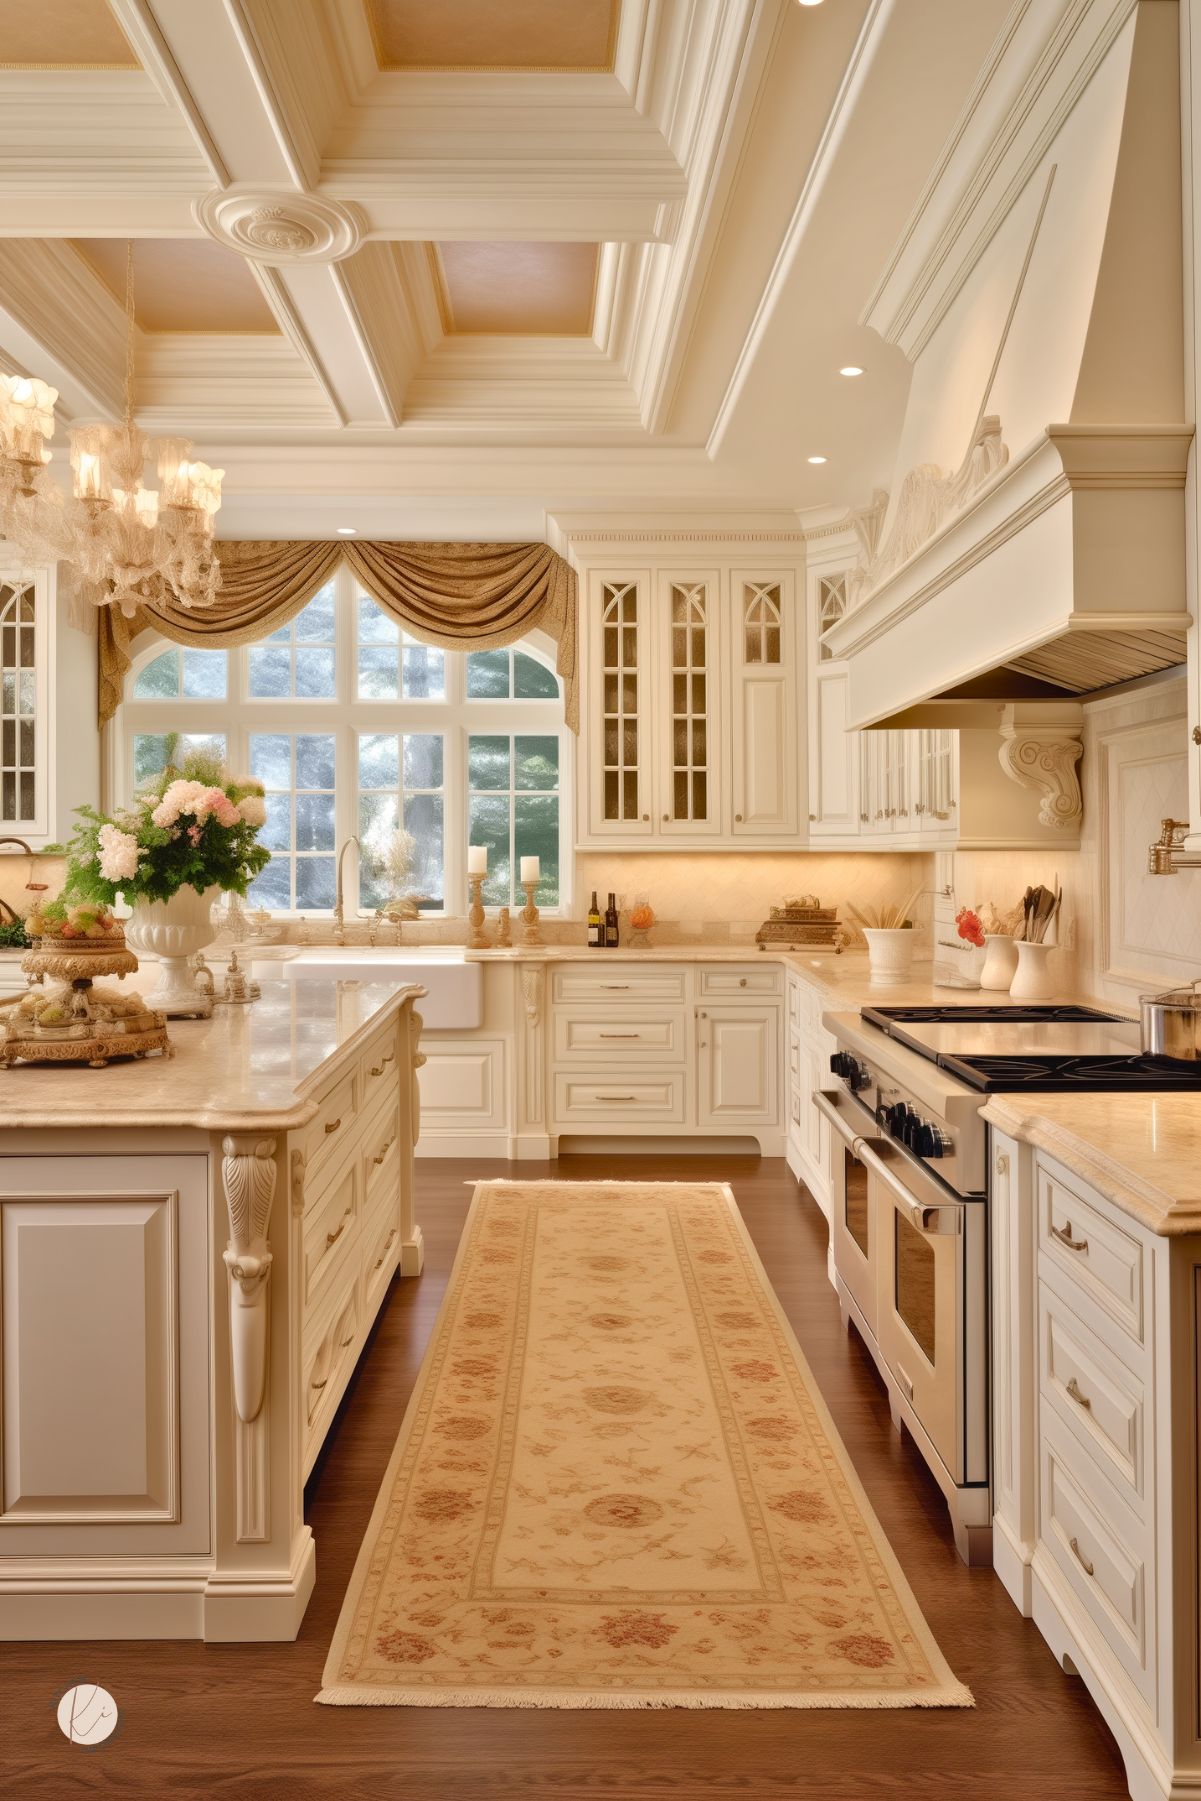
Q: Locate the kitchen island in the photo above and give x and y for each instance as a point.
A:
(193, 1250)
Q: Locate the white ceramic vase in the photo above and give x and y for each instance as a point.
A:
(1033, 980)
(890, 953)
(1000, 962)
(173, 931)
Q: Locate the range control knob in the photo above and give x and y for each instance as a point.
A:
(840, 1064)
(859, 1076)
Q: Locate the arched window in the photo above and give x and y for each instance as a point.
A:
(357, 729)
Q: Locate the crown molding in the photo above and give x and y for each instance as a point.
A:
(63, 324)
(194, 381)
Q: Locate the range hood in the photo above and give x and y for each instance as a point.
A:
(1046, 561)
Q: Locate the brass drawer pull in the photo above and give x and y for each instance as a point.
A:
(620, 1034)
(378, 1070)
(384, 1149)
(622, 985)
(321, 1384)
(331, 1125)
(347, 1341)
(617, 1097)
(1077, 1393)
(1081, 1559)
(333, 1237)
(1064, 1235)
(386, 1249)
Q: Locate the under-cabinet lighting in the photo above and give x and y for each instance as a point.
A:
(850, 369)
(816, 459)
(348, 531)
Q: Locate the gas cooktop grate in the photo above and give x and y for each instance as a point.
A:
(984, 1012)
(1060, 1075)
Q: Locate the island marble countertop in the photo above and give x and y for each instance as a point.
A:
(244, 1069)
(1141, 1151)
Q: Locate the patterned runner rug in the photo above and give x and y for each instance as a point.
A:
(617, 1486)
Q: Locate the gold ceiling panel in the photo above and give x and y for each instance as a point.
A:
(61, 34)
(182, 284)
(540, 290)
(545, 35)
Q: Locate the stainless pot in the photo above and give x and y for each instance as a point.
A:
(1171, 1023)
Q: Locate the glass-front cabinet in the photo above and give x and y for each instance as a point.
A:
(26, 776)
(691, 705)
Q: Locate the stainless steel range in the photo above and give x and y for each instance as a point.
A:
(909, 1228)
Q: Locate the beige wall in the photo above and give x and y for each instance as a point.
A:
(724, 894)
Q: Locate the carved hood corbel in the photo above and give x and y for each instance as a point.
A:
(1040, 748)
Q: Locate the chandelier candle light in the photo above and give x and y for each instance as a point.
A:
(127, 541)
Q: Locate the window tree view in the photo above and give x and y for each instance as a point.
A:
(513, 785)
(356, 728)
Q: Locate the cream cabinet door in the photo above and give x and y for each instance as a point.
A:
(686, 702)
(764, 628)
(104, 1341)
(833, 759)
(620, 636)
(738, 1059)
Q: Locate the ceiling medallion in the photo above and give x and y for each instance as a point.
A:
(280, 225)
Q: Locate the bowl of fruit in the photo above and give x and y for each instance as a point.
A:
(88, 925)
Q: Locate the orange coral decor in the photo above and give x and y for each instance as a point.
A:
(616, 1485)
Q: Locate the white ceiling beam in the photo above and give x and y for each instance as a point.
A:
(225, 75)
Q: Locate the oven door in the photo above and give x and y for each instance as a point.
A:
(930, 1306)
(856, 1210)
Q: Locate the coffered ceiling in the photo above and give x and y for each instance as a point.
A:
(446, 266)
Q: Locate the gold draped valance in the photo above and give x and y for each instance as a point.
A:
(458, 596)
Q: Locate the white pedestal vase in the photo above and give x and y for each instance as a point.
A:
(173, 931)
(890, 951)
(1033, 980)
(1000, 962)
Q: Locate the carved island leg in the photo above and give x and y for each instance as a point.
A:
(248, 1176)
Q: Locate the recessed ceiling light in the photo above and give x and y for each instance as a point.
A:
(817, 459)
(348, 531)
(811, 2)
(850, 369)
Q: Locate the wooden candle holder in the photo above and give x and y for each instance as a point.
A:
(529, 915)
(479, 939)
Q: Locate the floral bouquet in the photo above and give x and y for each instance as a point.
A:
(193, 826)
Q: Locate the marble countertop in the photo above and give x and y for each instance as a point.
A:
(245, 1069)
(1141, 1151)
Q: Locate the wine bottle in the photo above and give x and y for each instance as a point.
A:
(596, 926)
(612, 936)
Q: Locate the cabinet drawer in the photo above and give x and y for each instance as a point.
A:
(325, 1369)
(735, 978)
(381, 1253)
(329, 1229)
(1099, 1398)
(593, 1033)
(1104, 1262)
(619, 982)
(377, 1065)
(331, 1128)
(1101, 1547)
(600, 1097)
(380, 1157)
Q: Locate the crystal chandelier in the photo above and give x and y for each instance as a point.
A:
(127, 541)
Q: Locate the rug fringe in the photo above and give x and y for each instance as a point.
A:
(955, 1696)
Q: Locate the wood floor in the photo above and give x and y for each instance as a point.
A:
(237, 1723)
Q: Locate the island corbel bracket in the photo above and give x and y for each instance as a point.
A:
(1040, 748)
(248, 1176)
